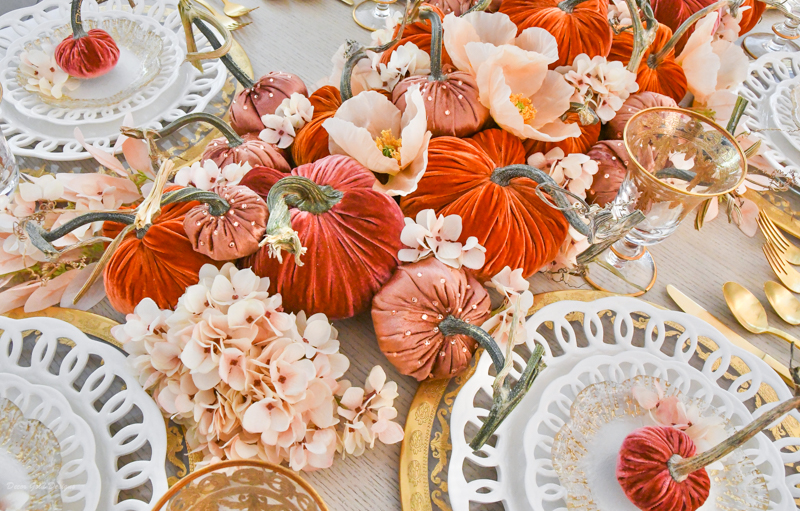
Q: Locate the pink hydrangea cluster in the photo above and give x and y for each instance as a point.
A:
(251, 381)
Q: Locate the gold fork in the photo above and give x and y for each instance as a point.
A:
(788, 275)
(235, 10)
(789, 251)
(230, 23)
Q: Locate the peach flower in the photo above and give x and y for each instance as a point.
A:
(98, 191)
(394, 144)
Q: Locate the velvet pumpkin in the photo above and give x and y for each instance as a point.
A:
(451, 100)
(612, 167)
(465, 177)
(460, 7)
(261, 98)
(752, 16)
(418, 33)
(590, 133)
(658, 71)
(86, 54)
(614, 129)
(311, 142)
(351, 231)
(579, 26)
(407, 310)
(231, 236)
(251, 150)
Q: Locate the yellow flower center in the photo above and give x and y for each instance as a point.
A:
(524, 106)
(389, 146)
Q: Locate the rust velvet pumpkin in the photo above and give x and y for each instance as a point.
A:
(579, 26)
(250, 150)
(451, 100)
(612, 167)
(466, 177)
(613, 129)
(311, 142)
(590, 133)
(351, 231)
(231, 236)
(643, 473)
(408, 309)
(658, 71)
(752, 16)
(418, 33)
(86, 54)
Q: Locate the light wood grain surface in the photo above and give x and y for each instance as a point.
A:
(301, 36)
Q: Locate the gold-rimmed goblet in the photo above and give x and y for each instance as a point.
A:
(677, 160)
(784, 34)
(373, 14)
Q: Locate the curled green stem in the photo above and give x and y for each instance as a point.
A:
(569, 5)
(436, 43)
(656, 59)
(76, 20)
(233, 139)
(301, 193)
(643, 33)
(237, 72)
(480, 6)
(451, 325)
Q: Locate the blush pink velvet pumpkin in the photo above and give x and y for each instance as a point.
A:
(614, 129)
(251, 150)
(612, 167)
(352, 240)
(262, 98)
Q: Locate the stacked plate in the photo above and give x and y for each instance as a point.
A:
(151, 81)
(77, 431)
(536, 461)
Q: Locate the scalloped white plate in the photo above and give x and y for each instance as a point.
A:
(785, 111)
(96, 384)
(573, 344)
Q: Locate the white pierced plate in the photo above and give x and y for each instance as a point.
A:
(574, 331)
(785, 108)
(150, 57)
(764, 77)
(79, 478)
(191, 92)
(94, 379)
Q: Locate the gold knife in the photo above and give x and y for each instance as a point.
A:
(691, 307)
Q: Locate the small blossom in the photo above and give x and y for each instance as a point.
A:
(502, 326)
(297, 108)
(277, 130)
(438, 236)
(600, 84)
(43, 74)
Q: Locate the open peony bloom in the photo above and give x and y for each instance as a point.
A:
(390, 143)
(711, 64)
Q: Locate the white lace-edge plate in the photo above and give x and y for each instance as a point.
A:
(572, 344)
(128, 428)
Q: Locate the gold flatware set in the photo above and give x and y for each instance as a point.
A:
(230, 11)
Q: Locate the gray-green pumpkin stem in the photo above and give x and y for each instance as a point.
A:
(235, 70)
(736, 116)
(294, 192)
(569, 5)
(451, 325)
(76, 20)
(233, 139)
(656, 59)
(436, 43)
(644, 34)
(480, 6)
(504, 175)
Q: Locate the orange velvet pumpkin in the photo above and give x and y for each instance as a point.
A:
(418, 33)
(665, 77)
(517, 228)
(311, 142)
(579, 26)
(752, 16)
(590, 134)
(159, 266)
(352, 243)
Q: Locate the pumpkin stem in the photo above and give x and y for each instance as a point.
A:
(76, 21)
(42, 239)
(736, 116)
(569, 5)
(506, 397)
(217, 205)
(303, 194)
(480, 6)
(680, 468)
(436, 43)
(504, 175)
(190, 15)
(233, 139)
(643, 34)
(655, 60)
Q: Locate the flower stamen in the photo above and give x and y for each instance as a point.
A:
(389, 146)
(524, 106)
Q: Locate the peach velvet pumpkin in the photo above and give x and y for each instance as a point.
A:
(418, 33)
(261, 98)
(86, 54)
(658, 71)
(614, 129)
(351, 231)
(250, 150)
(451, 100)
(465, 177)
(407, 310)
(612, 167)
(590, 133)
(158, 265)
(311, 142)
(579, 26)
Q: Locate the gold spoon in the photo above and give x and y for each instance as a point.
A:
(783, 301)
(750, 313)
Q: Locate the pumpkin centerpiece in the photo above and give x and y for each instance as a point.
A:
(351, 231)
(451, 100)
(482, 180)
(659, 471)
(86, 54)
(579, 26)
(231, 148)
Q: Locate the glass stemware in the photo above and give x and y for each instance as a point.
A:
(373, 14)
(678, 159)
(784, 33)
(9, 171)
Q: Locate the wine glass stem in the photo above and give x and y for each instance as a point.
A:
(623, 251)
(783, 32)
(382, 10)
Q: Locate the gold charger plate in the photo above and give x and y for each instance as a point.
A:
(426, 447)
